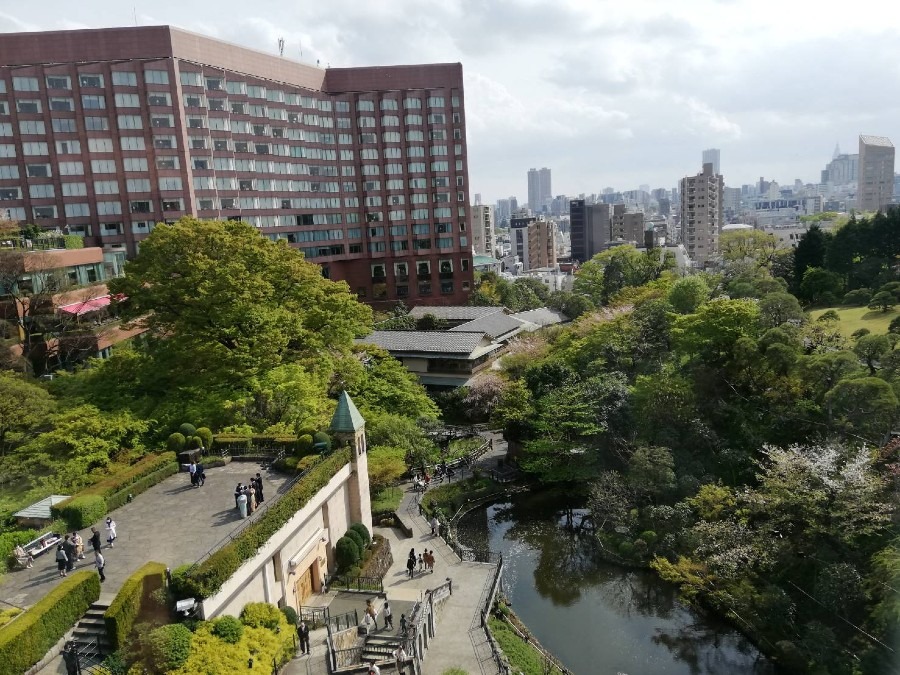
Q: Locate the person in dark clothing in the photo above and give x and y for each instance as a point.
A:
(259, 489)
(201, 475)
(70, 658)
(411, 563)
(69, 548)
(303, 634)
(95, 539)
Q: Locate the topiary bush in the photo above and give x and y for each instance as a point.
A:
(358, 540)
(124, 610)
(322, 437)
(187, 430)
(228, 628)
(305, 463)
(260, 615)
(83, 511)
(290, 614)
(194, 442)
(859, 297)
(304, 445)
(26, 640)
(363, 532)
(346, 553)
(175, 442)
(206, 436)
(168, 647)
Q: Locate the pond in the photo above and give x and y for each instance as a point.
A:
(595, 617)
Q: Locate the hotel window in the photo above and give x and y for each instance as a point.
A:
(435, 101)
(275, 96)
(132, 142)
(90, 80)
(35, 149)
(167, 142)
(109, 209)
(235, 87)
(438, 150)
(135, 163)
(41, 191)
(71, 169)
(365, 106)
(101, 123)
(130, 122)
(414, 103)
(25, 84)
(167, 163)
(206, 204)
(218, 104)
(31, 127)
(440, 166)
(103, 165)
(74, 189)
(437, 135)
(10, 193)
(256, 92)
(437, 118)
(77, 210)
(416, 167)
(124, 78)
(392, 153)
(170, 183)
(366, 122)
(106, 187)
(4, 106)
(156, 76)
(415, 135)
(137, 185)
(393, 169)
(215, 83)
(418, 184)
(219, 123)
(177, 204)
(28, 106)
(412, 120)
(160, 98)
(62, 104)
(10, 173)
(192, 79)
(100, 145)
(93, 102)
(166, 121)
(127, 100)
(371, 170)
(38, 170)
(44, 212)
(454, 101)
(6, 129)
(456, 118)
(415, 151)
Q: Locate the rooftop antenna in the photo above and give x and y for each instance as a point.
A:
(280, 46)
(134, 12)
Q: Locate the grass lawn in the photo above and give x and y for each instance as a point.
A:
(522, 656)
(854, 318)
(387, 500)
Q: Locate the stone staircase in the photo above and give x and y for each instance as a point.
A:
(90, 633)
(380, 648)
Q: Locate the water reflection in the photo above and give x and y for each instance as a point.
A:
(598, 618)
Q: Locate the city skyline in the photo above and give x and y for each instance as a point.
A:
(618, 85)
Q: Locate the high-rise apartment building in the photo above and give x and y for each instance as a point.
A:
(533, 240)
(590, 228)
(627, 225)
(702, 214)
(106, 132)
(539, 189)
(712, 156)
(875, 187)
(483, 230)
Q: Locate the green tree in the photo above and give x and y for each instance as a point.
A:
(756, 245)
(687, 294)
(712, 331)
(24, 407)
(229, 300)
(883, 300)
(866, 406)
(820, 285)
(810, 252)
(387, 385)
(571, 304)
(871, 349)
(651, 471)
(778, 308)
(386, 465)
(607, 273)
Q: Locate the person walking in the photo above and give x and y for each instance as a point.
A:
(400, 658)
(431, 561)
(370, 611)
(242, 504)
(259, 488)
(100, 562)
(388, 615)
(238, 491)
(435, 526)
(111, 528)
(303, 634)
(70, 658)
(404, 624)
(251, 498)
(201, 474)
(192, 470)
(421, 562)
(69, 548)
(61, 560)
(95, 539)
(79, 545)
(411, 563)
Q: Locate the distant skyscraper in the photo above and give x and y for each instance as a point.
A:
(539, 189)
(477, 199)
(513, 205)
(590, 227)
(876, 173)
(702, 214)
(711, 156)
(533, 240)
(483, 230)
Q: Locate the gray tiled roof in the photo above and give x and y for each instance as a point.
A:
(454, 313)
(542, 316)
(495, 325)
(876, 140)
(436, 341)
(40, 509)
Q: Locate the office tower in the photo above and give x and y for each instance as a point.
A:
(591, 228)
(533, 241)
(627, 225)
(483, 230)
(702, 214)
(363, 169)
(477, 199)
(513, 206)
(502, 210)
(539, 189)
(876, 173)
(712, 156)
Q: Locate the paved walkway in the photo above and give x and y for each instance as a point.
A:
(459, 640)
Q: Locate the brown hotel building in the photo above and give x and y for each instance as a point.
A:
(107, 132)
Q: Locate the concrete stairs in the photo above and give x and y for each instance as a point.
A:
(91, 630)
(380, 648)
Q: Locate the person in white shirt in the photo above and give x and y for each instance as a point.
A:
(400, 657)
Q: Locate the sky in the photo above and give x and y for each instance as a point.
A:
(605, 93)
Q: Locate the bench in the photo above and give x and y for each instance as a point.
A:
(37, 546)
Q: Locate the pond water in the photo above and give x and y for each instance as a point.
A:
(595, 617)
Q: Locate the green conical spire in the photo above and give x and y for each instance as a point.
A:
(347, 419)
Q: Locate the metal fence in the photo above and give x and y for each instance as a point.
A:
(342, 658)
(345, 583)
(316, 617)
(343, 621)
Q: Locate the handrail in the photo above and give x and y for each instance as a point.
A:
(359, 583)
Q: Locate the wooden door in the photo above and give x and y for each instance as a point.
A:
(304, 585)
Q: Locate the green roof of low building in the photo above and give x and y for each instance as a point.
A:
(347, 419)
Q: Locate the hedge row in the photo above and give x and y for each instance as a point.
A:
(207, 578)
(290, 444)
(25, 641)
(126, 608)
(91, 504)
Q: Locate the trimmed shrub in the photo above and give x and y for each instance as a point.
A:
(346, 553)
(306, 462)
(82, 511)
(120, 498)
(126, 608)
(228, 628)
(860, 332)
(306, 431)
(261, 615)
(187, 429)
(206, 436)
(208, 577)
(194, 442)
(363, 532)
(176, 442)
(859, 297)
(304, 445)
(232, 441)
(168, 647)
(26, 640)
(290, 614)
(358, 540)
(322, 437)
